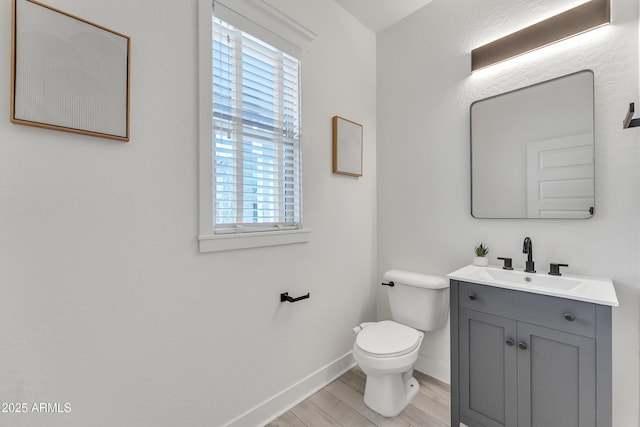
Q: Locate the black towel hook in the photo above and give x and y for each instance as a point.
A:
(285, 297)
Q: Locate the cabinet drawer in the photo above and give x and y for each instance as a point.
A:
(542, 310)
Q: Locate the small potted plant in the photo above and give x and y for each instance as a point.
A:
(481, 256)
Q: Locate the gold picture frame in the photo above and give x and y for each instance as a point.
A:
(68, 74)
(347, 147)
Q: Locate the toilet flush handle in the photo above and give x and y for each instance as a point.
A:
(356, 330)
(390, 284)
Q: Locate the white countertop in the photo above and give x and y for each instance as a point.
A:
(580, 288)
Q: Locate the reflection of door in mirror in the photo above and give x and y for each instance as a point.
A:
(560, 177)
(532, 151)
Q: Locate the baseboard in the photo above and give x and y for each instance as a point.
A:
(434, 368)
(275, 406)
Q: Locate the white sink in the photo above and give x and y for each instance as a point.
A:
(589, 289)
(559, 283)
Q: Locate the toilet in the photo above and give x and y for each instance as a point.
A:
(387, 351)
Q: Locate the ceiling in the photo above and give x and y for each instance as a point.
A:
(378, 15)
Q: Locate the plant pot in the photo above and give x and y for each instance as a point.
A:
(481, 261)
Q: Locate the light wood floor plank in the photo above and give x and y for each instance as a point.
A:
(355, 400)
(430, 406)
(288, 419)
(341, 404)
(313, 416)
(354, 380)
(418, 418)
(434, 389)
(339, 410)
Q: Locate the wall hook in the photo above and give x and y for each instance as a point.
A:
(629, 121)
(285, 297)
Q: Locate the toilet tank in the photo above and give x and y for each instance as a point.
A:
(418, 300)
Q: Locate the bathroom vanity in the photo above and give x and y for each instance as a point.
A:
(529, 349)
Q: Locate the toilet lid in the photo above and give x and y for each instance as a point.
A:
(388, 338)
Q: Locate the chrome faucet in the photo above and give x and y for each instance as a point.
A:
(527, 248)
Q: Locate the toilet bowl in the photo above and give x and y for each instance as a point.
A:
(386, 352)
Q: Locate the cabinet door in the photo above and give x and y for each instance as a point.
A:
(556, 378)
(488, 388)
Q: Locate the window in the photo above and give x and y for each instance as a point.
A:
(252, 143)
(256, 122)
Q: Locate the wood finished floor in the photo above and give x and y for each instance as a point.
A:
(340, 404)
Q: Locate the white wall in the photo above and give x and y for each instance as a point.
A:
(106, 303)
(425, 89)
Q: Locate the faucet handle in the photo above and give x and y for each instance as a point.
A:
(507, 263)
(554, 269)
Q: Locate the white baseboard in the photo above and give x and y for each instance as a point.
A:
(275, 406)
(434, 368)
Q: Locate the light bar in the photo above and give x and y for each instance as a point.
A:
(572, 22)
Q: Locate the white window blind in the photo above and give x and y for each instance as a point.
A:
(256, 134)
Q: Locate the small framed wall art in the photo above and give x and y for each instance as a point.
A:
(67, 73)
(347, 147)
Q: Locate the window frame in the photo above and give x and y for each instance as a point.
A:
(208, 240)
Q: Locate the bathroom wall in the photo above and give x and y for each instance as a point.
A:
(425, 88)
(105, 302)
(638, 137)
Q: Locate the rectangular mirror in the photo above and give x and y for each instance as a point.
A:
(532, 151)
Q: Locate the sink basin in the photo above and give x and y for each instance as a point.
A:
(534, 280)
(589, 289)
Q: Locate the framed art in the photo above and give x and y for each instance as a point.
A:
(347, 147)
(68, 74)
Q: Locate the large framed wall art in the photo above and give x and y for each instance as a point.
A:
(68, 74)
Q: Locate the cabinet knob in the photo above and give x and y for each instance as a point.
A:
(570, 317)
(472, 297)
(510, 342)
(523, 345)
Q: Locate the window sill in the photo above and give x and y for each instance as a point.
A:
(232, 242)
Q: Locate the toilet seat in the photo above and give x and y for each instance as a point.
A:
(388, 339)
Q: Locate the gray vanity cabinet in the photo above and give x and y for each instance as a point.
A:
(488, 377)
(556, 378)
(528, 360)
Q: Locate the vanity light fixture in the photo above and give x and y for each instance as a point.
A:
(572, 22)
